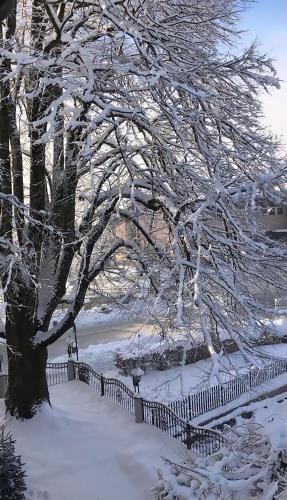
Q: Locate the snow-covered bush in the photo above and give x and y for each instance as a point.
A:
(246, 468)
(162, 356)
(84, 374)
(12, 475)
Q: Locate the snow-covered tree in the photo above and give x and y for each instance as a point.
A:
(12, 475)
(113, 111)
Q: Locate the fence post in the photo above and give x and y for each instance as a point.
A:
(188, 435)
(189, 408)
(250, 379)
(102, 385)
(71, 370)
(3, 385)
(139, 413)
(221, 395)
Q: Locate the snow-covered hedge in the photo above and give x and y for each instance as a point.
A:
(167, 354)
(247, 468)
(162, 358)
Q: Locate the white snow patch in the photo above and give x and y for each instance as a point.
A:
(273, 417)
(280, 324)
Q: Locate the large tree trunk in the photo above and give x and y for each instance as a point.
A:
(27, 389)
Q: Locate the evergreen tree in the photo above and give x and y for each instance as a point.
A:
(12, 475)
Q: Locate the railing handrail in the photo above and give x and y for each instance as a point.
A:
(82, 363)
(183, 421)
(118, 383)
(196, 430)
(57, 365)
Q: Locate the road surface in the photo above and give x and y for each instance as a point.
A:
(99, 333)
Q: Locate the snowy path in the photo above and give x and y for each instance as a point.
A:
(88, 448)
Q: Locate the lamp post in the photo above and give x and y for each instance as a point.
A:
(137, 374)
(72, 342)
(76, 349)
(3, 379)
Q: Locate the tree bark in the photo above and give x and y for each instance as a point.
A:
(5, 167)
(28, 388)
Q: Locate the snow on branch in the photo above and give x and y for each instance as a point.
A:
(144, 140)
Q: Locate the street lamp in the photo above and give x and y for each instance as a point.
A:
(137, 374)
(75, 349)
(72, 342)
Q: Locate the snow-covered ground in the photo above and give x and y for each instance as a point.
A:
(270, 413)
(87, 448)
(251, 465)
(144, 309)
(147, 310)
(171, 384)
(280, 324)
(242, 403)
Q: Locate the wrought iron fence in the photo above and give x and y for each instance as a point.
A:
(109, 387)
(200, 440)
(86, 374)
(119, 393)
(172, 419)
(57, 373)
(208, 399)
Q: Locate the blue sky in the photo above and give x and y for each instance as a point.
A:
(266, 20)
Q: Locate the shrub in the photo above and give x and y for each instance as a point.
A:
(84, 374)
(170, 355)
(12, 475)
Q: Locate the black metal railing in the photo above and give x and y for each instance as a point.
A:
(119, 393)
(200, 440)
(109, 387)
(174, 419)
(218, 395)
(57, 373)
(86, 374)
